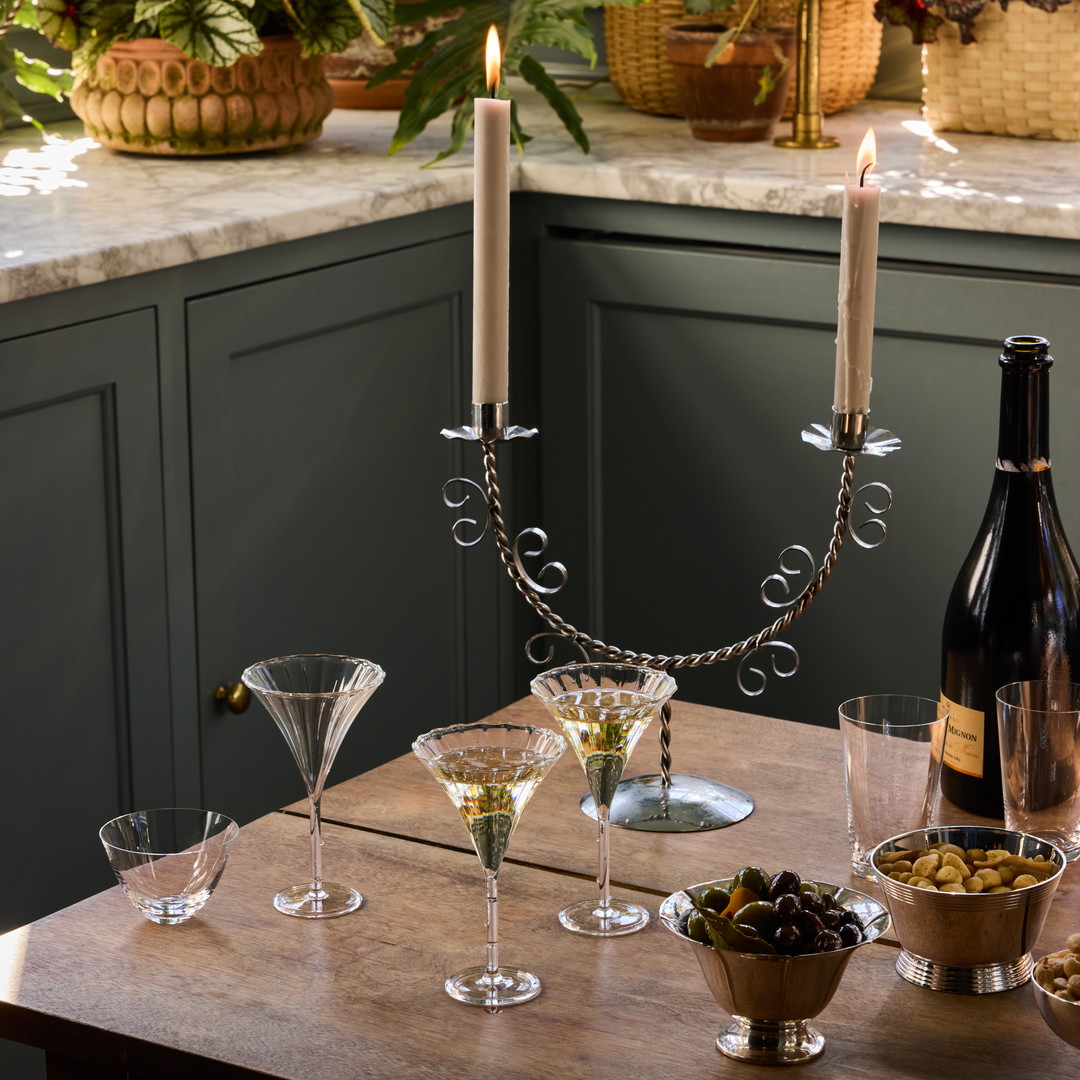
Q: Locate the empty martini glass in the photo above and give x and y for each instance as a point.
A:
(604, 710)
(313, 699)
(490, 772)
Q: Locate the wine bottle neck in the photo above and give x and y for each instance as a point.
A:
(1024, 428)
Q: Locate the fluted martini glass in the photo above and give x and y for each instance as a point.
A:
(490, 771)
(603, 710)
(314, 698)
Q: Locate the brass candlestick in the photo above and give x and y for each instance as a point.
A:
(806, 123)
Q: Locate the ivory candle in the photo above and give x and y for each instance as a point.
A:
(491, 237)
(858, 282)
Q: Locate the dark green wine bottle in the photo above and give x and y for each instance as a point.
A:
(1014, 611)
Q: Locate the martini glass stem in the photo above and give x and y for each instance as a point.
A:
(315, 805)
(603, 873)
(492, 923)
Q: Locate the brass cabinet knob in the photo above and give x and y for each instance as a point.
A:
(237, 696)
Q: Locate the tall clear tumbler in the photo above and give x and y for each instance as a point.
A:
(1039, 732)
(892, 768)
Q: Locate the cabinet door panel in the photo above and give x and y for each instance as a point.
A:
(83, 642)
(689, 374)
(316, 407)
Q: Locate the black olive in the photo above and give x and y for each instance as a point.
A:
(812, 902)
(832, 920)
(850, 934)
(787, 881)
(811, 924)
(788, 906)
(828, 941)
(788, 938)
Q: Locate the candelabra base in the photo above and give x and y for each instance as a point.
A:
(686, 804)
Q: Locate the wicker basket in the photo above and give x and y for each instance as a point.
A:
(641, 72)
(1019, 77)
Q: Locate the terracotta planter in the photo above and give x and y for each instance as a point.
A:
(718, 101)
(147, 97)
(348, 72)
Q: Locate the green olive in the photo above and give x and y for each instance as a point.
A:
(760, 914)
(753, 878)
(714, 897)
(697, 928)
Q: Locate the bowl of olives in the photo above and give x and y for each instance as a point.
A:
(967, 903)
(773, 949)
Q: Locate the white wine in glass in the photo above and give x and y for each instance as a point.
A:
(490, 771)
(603, 710)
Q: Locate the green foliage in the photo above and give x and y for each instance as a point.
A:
(216, 31)
(35, 75)
(450, 62)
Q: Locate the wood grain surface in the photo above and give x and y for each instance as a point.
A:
(241, 990)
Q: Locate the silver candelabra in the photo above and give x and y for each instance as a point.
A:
(670, 802)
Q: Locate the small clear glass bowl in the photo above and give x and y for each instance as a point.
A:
(169, 860)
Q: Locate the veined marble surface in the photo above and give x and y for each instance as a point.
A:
(74, 213)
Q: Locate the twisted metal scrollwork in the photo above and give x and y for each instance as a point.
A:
(555, 568)
(858, 528)
(791, 604)
(784, 651)
(786, 574)
(463, 522)
(543, 661)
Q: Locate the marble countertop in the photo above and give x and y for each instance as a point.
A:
(75, 213)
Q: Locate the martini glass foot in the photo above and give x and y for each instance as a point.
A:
(686, 804)
(507, 986)
(330, 900)
(611, 920)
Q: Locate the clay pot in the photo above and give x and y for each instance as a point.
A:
(348, 72)
(148, 97)
(718, 101)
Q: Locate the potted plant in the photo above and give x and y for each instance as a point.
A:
(732, 74)
(204, 76)
(449, 68)
(977, 58)
(32, 74)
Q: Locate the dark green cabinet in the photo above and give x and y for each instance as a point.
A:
(83, 643)
(687, 372)
(316, 404)
(84, 651)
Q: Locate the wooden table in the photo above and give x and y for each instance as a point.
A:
(242, 991)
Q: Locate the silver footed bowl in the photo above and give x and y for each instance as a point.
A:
(968, 943)
(771, 997)
(1062, 1017)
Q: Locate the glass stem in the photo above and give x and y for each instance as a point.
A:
(314, 802)
(492, 922)
(603, 873)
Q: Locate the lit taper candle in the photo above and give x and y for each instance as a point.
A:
(858, 282)
(491, 237)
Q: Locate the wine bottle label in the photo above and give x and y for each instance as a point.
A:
(963, 739)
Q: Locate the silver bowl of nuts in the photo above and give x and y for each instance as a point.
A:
(1056, 983)
(967, 904)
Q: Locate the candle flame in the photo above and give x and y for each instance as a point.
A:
(867, 158)
(493, 59)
